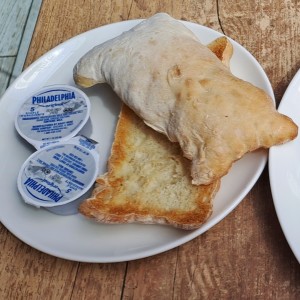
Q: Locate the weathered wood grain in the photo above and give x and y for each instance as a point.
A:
(99, 281)
(17, 20)
(152, 277)
(25, 40)
(75, 18)
(270, 31)
(26, 273)
(246, 255)
(13, 16)
(6, 67)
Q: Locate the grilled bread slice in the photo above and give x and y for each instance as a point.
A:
(148, 181)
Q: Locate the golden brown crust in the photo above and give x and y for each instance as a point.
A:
(222, 48)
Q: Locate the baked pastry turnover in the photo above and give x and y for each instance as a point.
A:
(181, 89)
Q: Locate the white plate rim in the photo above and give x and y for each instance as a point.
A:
(189, 235)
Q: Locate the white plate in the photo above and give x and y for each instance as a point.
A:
(74, 237)
(284, 171)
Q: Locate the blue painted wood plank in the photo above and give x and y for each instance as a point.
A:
(13, 17)
(6, 67)
(26, 39)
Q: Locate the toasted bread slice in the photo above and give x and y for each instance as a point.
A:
(148, 181)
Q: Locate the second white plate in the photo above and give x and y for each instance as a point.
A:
(284, 171)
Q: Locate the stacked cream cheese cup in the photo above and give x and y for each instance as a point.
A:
(61, 173)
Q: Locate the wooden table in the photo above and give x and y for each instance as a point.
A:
(246, 255)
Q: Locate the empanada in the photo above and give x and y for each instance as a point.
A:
(179, 87)
(148, 179)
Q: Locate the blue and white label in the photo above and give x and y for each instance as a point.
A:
(59, 173)
(52, 114)
(42, 189)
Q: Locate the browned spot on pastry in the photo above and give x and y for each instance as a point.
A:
(176, 71)
(204, 82)
(188, 82)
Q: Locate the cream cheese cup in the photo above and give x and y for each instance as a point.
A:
(59, 176)
(54, 113)
(61, 173)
